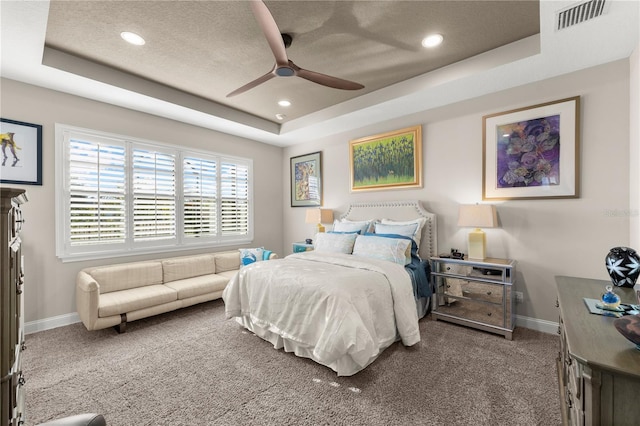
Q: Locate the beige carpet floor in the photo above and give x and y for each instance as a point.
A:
(193, 367)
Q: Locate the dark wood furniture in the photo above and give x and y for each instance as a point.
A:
(598, 369)
(11, 308)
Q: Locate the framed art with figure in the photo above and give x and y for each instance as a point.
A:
(532, 152)
(306, 180)
(21, 160)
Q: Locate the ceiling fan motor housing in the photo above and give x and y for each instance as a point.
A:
(285, 71)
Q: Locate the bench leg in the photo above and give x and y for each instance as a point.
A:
(122, 327)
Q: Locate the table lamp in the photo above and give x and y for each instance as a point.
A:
(319, 216)
(477, 216)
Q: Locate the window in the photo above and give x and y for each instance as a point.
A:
(117, 195)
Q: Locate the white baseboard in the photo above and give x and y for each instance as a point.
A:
(49, 323)
(543, 326)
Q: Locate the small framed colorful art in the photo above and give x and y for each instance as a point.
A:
(532, 152)
(306, 180)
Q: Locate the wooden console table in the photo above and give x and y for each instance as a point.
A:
(598, 369)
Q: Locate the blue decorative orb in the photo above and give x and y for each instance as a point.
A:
(610, 298)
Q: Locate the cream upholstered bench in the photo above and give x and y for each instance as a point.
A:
(112, 295)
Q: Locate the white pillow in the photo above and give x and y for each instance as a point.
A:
(349, 226)
(390, 249)
(418, 233)
(334, 243)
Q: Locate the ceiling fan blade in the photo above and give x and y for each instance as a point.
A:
(326, 80)
(252, 84)
(270, 30)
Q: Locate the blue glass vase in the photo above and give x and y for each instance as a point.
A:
(610, 299)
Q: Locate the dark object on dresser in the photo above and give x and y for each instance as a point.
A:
(622, 266)
(629, 327)
(90, 419)
(11, 308)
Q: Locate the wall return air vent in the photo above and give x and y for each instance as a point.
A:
(580, 12)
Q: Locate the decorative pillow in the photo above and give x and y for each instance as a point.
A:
(251, 255)
(352, 226)
(406, 230)
(412, 249)
(417, 236)
(334, 243)
(389, 249)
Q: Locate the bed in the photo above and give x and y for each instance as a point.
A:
(354, 295)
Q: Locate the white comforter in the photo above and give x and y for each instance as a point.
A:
(340, 310)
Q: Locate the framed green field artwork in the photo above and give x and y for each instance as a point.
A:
(387, 161)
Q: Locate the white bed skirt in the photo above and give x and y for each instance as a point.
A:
(344, 366)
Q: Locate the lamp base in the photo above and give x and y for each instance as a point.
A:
(477, 244)
(320, 228)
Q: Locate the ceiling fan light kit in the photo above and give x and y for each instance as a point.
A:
(284, 67)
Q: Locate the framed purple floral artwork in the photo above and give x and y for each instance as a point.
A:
(532, 152)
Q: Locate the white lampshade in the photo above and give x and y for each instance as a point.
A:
(477, 216)
(319, 216)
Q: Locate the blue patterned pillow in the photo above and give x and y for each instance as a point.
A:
(251, 255)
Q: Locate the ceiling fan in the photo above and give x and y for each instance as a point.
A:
(283, 66)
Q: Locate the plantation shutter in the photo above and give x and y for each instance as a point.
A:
(200, 197)
(97, 190)
(234, 198)
(154, 195)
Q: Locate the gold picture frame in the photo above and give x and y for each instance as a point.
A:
(389, 160)
(532, 152)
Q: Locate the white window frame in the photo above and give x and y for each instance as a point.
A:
(68, 253)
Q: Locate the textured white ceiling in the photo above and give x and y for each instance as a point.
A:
(210, 48)
(607, 38)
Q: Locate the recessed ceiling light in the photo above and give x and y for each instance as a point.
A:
(132, 38)
(284, 103)
(432, 40)
(281, 116)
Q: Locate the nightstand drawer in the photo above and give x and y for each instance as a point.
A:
(473, 311)
(480, 291)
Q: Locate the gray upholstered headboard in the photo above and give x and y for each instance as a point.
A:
(399, 210)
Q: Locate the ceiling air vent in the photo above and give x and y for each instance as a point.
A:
(579, 12)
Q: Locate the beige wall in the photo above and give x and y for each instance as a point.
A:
(50, 284)
(546, 237)
(634, 150)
